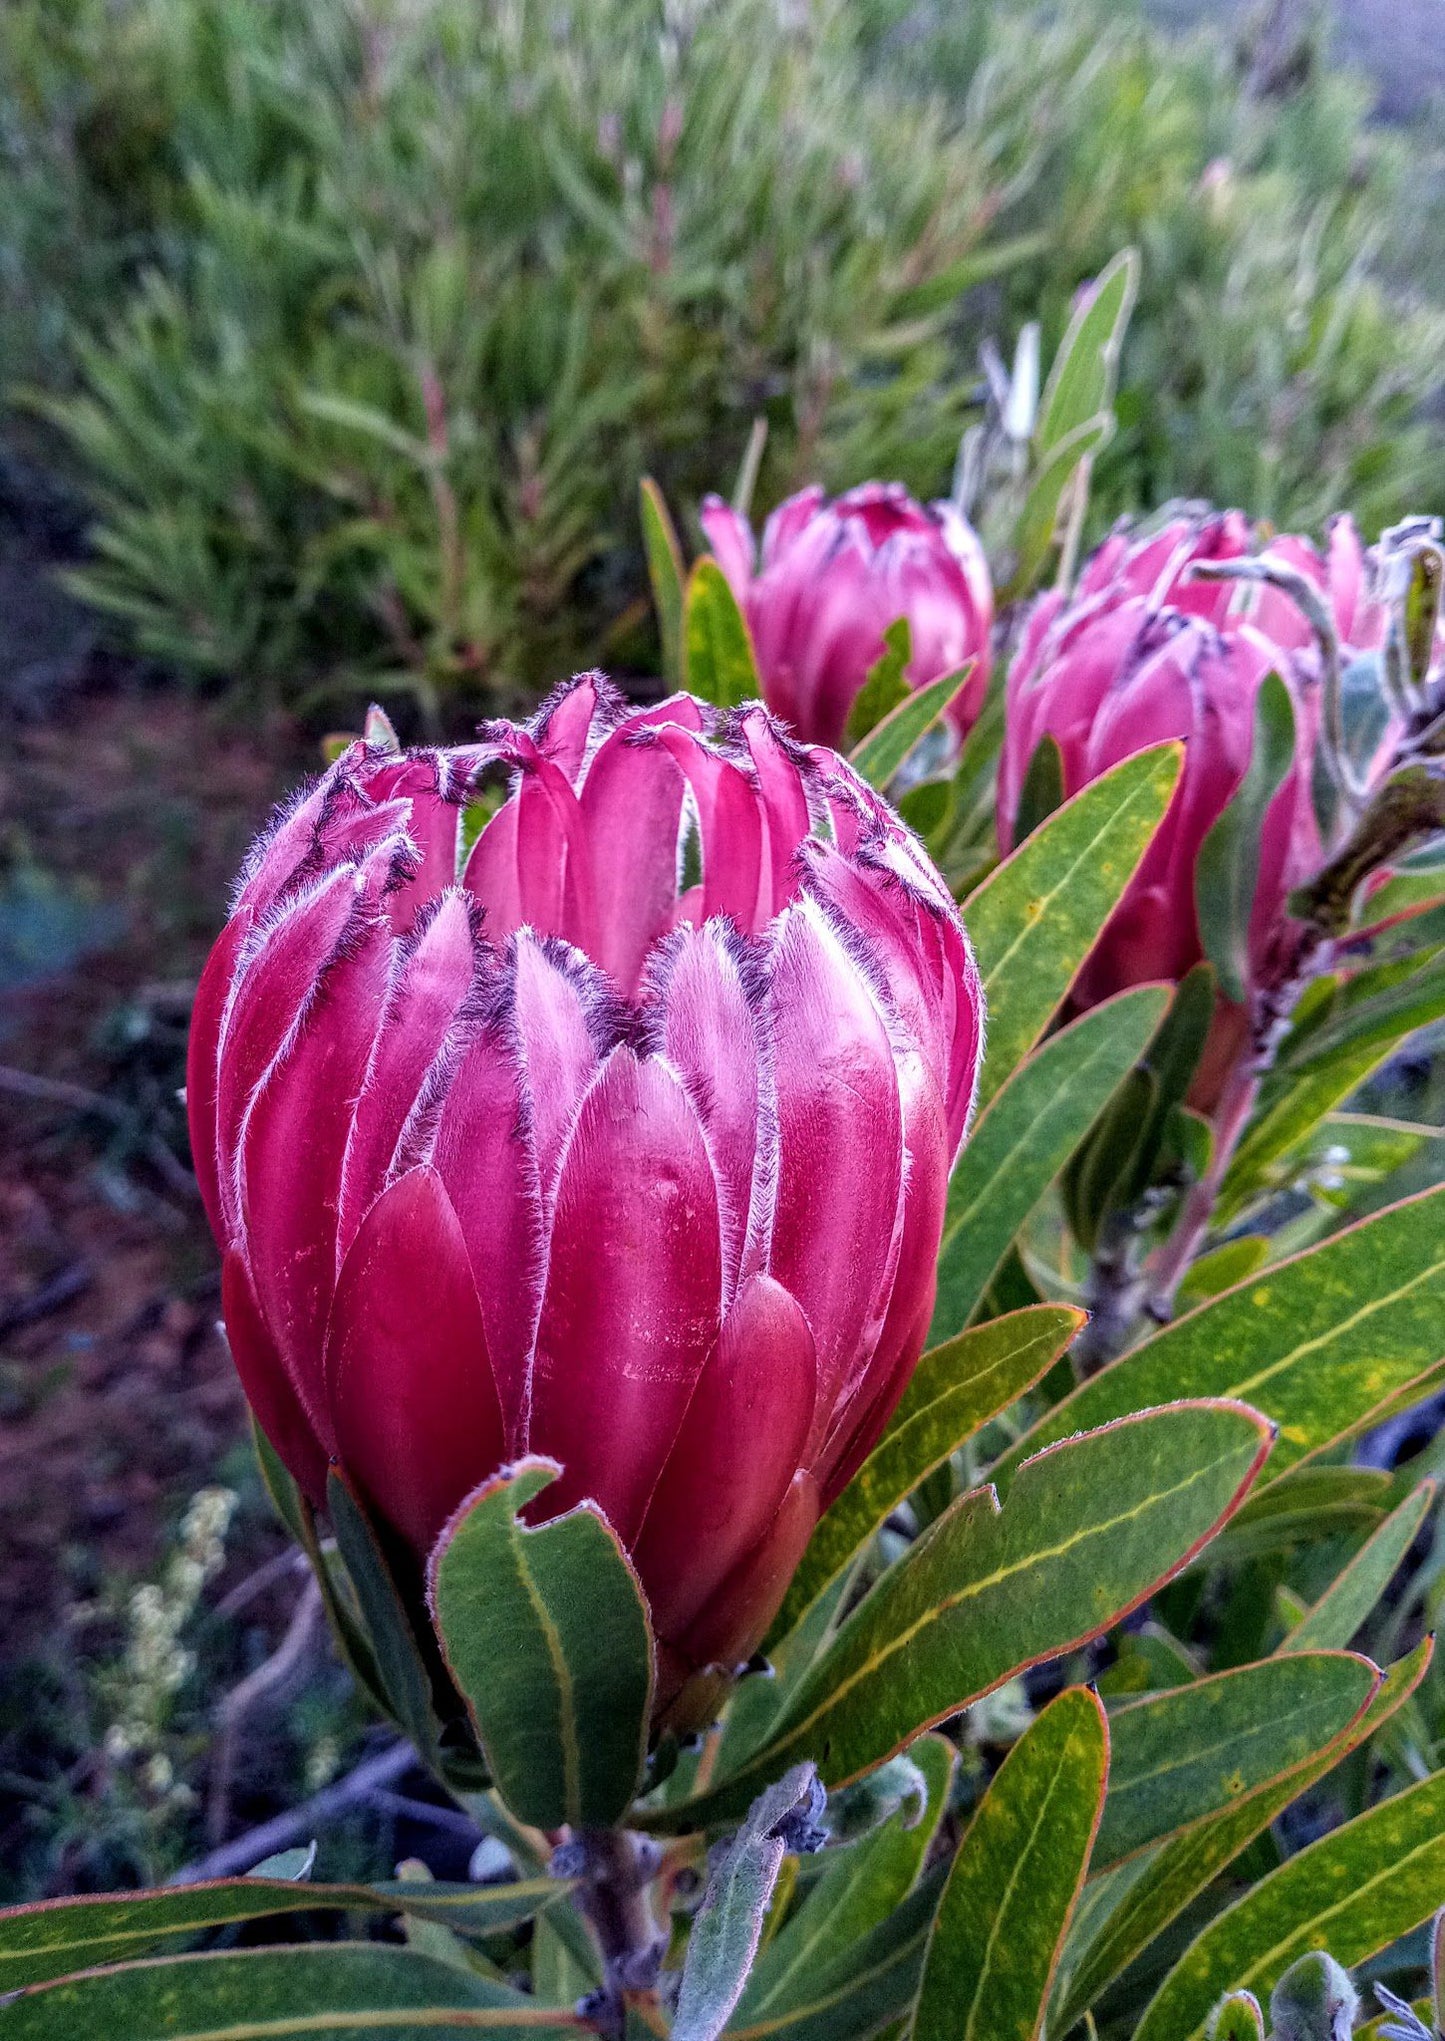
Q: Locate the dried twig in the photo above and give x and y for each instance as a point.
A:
(271, 1674)
(357, 1789)
(58, 1091)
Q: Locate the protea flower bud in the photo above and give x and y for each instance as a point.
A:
(834, 576)
(1148, 650)
(618, 1135)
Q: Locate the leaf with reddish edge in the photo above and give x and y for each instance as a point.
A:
(1356, 1890)
(1359, 1586)
(1182, 1756)
(1321, 1343)
(57, 1937)
(547, 1634)
(956, 1388)
(1089, 1530)
(1015, 1881)
(339, 1990)
(1184, 1866)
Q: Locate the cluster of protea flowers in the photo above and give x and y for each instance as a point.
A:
(829, 580)
(620, 1134)
(1150, 648)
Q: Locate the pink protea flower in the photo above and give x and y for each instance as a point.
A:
(834, 576)
(621, 1137)
(1145, 651)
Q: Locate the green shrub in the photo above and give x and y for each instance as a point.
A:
(363, 319)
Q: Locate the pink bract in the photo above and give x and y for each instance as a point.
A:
(621, 1136)
(1145, 652)
(833, 576)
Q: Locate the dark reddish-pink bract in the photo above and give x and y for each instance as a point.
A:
(1147, 651)
(620, 1137)
(833, 576)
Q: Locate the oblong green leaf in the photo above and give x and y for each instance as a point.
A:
(1227, 868)
(1353, 1593)
(1024, 1138)
(1081, 381)
(885, 687)
(341, 1989)
(718, 656)
(1090, 1528)
(1015, 1881)
(956, 1389)
(55, 1937)
(1355, 1891)
(1298, 1095)
(1160, 1885)
(383, 1613)
(665, 572)
(858, 1890)
(547, 1634)
(1319, 1343)
(886, 746)
(869, 1986)
(1035, 919)
(728, 1924)
(1184, 1755)
(1037, 523)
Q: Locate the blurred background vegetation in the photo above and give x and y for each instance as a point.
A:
(334, 338)
(358, 320)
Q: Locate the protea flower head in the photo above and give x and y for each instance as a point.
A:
(619, 1134)
(831, 579)
(1148, 650)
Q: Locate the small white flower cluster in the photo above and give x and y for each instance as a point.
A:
(156, 1663)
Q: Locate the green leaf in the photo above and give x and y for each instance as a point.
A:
(1221, 1269)
(1184, 1755)
(956, 1389)
(1341, 1054)
(340, 1989)
(872, 1984)
(1357, 1890)
(1081, 381)
(1237, 2017)
(1015, 1882)
(1170, 1877)
(1043, 788)
(1354, 1592)
(1024, 1138)
(1112, 1171)
(665, 572)
(1227, 868)
(1089, 1529)
(1303, 1507)
(1034, 920)
(1034, 532)
(727, 1926)
(1319, 1343)
(58, 1936)
(718, 659)
(886, 685)
(388, 1630)
(286, 1498)
(547, 1634)
(884, 749)
(857, 1890)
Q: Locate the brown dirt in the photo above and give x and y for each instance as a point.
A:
(116, 1396)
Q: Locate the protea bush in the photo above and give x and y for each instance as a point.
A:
(890, 1524)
